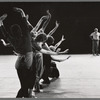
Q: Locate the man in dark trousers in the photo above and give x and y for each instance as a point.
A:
(95, 36)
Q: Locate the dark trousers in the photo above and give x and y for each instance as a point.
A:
(50, 69)
(95, 46)
(47, 65)
(27, 81)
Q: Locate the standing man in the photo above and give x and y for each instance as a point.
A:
(95, 36)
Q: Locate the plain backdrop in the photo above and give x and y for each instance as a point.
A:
(77, 21)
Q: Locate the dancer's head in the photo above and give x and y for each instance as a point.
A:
(16, 31)
(42, 37)
(50, 40)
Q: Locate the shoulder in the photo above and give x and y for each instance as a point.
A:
(98, 32)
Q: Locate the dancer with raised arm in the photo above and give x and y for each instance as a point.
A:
(24, 49)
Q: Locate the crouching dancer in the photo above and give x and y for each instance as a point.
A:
(38, 50)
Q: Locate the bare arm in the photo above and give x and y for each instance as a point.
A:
(54, 29)
(23, 15)
(63, 52)
(2, 28)
(58, 44)
(27, 17)
(6, 44)
(59, 60)
(47, 21)
(45, 46)
(20, 11)
(48, 52)
(53, 53)
(39, 23)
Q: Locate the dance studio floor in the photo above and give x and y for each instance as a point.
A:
(79, 78)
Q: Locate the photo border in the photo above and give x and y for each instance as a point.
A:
(49, 1)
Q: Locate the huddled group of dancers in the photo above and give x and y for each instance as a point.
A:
(34, 49)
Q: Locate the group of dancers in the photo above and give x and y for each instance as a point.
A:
(34, 49)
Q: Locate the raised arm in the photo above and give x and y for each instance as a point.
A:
(6, 44)
(34, 30)
(58, 44)
(23, 15)
(26, 29)
(20, 11)
(54, 29)
(27, 17)
(47, 21)
(2, 28)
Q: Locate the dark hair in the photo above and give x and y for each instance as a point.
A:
(16, 31)
(50, 40)
(41, 37)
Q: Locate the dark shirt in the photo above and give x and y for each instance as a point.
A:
(22, 44)
(35, 46)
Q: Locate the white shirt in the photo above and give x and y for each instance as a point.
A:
(95, 35)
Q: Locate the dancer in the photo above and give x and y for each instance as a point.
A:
(49, 61)
(24, 49)
(37, 48)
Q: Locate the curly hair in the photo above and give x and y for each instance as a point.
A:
(42, 37)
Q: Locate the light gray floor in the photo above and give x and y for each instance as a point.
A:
(79, 78)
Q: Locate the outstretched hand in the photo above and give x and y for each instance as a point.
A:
(2, 40)
(57, 24)
(64, 59)
(4, 43)
(62, 38)
(48, 13)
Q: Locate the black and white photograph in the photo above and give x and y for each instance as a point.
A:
(50, 49)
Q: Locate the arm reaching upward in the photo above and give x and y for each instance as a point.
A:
(20, 11)
(58, 44)
(39, 23)
(27, 17)
(54, 29)
(47, 21)
(54, 48)
(6, 44)
(24, 16)
(2, 28)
